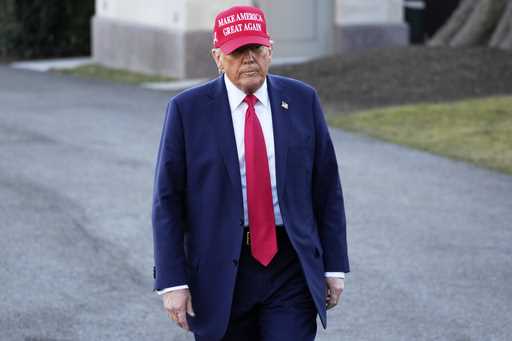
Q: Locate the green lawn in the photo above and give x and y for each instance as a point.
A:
(476, 130)
(114, 75)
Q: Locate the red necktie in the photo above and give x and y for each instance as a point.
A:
(259, 194)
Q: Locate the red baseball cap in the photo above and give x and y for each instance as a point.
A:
(238, 26)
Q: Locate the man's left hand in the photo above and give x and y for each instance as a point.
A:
(334, 290)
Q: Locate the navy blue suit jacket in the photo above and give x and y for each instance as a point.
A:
(198, 209)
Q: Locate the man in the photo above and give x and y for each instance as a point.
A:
(248, 215)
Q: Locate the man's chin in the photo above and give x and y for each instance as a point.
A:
(250, 85)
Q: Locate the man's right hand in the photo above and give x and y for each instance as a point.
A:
(178, 303)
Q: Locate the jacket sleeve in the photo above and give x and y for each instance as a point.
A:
(168, 211)
(328, 197)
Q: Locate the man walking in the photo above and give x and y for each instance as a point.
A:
(248, 215)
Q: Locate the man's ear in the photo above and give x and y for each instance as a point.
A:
(216, 58)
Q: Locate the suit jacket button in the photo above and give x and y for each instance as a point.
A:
(242, 222)
(235, 262)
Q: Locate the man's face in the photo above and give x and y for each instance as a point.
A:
(246, 66)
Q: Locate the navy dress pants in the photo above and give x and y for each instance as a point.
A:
(271, 303)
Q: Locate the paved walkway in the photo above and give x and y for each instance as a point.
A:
(430, 238)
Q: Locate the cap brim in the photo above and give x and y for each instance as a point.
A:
(233, 44)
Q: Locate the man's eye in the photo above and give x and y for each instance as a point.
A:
(253, 48)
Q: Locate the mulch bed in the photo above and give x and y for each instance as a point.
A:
(384, 77)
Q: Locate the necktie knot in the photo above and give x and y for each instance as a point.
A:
(250, 100)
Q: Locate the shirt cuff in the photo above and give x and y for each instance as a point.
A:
(335, 274)
(166, 290)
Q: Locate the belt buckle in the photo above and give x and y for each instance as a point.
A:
(247, 238)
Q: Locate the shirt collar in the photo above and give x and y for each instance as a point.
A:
(236, 96)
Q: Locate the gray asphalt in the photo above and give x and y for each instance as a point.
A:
(430, 238)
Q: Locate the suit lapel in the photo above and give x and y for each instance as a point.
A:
(222, 123)
(280, 122)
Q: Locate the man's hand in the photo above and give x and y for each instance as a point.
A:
(334, 290)
(178, 303)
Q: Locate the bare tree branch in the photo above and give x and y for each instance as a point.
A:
(480, 26)
(502, 36)
(452, 26)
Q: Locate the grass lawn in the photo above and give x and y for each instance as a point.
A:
(114, 75)
(476, 130)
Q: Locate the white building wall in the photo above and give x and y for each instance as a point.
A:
(350, 12)
(364, 24)
(174, 37)
(190, 15)
(164, 14)
(201, 13)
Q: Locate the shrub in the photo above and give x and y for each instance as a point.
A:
(45, 28)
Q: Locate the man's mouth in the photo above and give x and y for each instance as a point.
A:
(249, 73)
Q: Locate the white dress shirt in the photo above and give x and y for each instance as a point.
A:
(264, 113)
(238, 110)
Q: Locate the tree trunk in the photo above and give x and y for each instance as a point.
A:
(480, 25)
(502, 37)
(458, 19)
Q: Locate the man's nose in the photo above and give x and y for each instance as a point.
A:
(248, 56)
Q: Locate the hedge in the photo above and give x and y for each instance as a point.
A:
(45, 28)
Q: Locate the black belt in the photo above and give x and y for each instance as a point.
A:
(280, 234)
